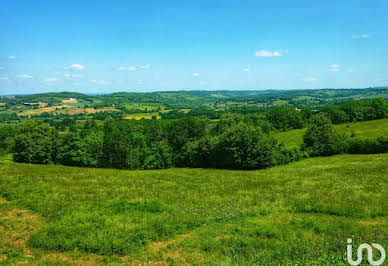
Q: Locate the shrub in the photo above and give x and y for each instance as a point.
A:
(245, 147)
(320, 137)
(367, 146)
(35, 144)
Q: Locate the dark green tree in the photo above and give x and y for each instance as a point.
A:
(35, 144)
(320, 137)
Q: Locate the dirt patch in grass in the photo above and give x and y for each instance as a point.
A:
(16, 226)
(156, 246)
(373, 223)
(172, 250)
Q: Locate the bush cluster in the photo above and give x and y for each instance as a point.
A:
(234, 143)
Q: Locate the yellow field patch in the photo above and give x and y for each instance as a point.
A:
(44, 109)
(140, 116)
(70, 100)
(89, 110)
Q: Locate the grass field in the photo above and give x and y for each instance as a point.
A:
(367, 129)
(298, 213)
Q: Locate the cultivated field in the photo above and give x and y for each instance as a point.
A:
(45, 110)
(300, 213)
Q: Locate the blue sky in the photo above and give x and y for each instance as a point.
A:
(105, 46)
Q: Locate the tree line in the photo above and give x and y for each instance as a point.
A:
(234, 141)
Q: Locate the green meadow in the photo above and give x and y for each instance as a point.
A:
(365, 129)
(301, 213)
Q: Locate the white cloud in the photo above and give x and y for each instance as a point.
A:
(195, 74)
(50, 80)
(265, 53)
(24, 76)
(11, 57)
(3, 78)
(362, 36)
(67, 75)
(1, 68)
(146, 66)
(76, 67)
(309, 79)
(334, 68)
(246, 69)
(123, 68)
(101, 82)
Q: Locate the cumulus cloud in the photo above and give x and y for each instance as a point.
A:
(246, 69)
(24, 76)
(101, 82)
(195, 74)
(334, 68)
(67, 75)
(309, 79)
(124, 68)
(49, 80)
(265, 53)
(362, 36)
(11, 57)
(146, 66)
(76, 67)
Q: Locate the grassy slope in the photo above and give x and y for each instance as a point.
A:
(301, 213)
(367, 129)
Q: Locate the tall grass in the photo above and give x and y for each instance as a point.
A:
(298, 213)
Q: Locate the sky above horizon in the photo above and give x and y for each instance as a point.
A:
(107, 46)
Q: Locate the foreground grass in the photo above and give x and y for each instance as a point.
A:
(299, 213)
(366, 129)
